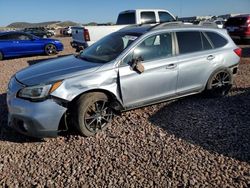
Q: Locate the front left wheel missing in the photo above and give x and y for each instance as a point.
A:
(93, 113)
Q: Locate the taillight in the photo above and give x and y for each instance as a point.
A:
(86, 34)
(248, 23)
(238, 51)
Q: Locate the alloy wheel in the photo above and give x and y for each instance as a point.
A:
(98, 115)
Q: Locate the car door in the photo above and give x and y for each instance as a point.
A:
(11, 46)
(6, 45)
(30, 44)
(158, 81)
(196, 60)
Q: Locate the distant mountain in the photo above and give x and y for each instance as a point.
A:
(67, 23)
(42, 24)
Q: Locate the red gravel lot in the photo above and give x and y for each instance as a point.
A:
(190, 142)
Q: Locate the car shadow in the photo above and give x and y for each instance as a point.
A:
(32, 62)
(220, 125)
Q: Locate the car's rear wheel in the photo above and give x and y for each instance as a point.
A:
(93, 113)
(220, 83)
(50, 49)
(1, 56)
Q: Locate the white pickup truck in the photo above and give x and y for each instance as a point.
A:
(83, 37)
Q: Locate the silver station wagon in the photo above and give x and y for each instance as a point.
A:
(134, 67)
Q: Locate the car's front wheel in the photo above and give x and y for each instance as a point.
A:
(220, 83)
(50, 49)
(93, 113)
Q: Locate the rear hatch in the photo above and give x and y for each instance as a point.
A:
(77, 34)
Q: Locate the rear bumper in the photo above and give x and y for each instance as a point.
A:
(78, 45)
(59, 47)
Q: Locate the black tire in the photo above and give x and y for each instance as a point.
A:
(80, 48)
(50, 49)
(1, 56)
(220, 83)
(93, 113)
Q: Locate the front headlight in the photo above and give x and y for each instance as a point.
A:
(38, 92)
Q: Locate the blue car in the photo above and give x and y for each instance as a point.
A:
(14, 43)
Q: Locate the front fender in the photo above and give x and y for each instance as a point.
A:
(73, 87)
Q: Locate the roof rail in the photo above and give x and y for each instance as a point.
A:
(208, 24)
(166, 24)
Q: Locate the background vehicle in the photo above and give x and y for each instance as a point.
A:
(83, 37)
(133, 67)
(20, 43)
(239, 27)
(39, 32)
(220, 23)
(67, 31)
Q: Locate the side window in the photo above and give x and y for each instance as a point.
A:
(23, 37)
(189, 42)
(206, 44)
(154, 47)
(148, 17)
(12, 36)
(217, 40)
(165, 17)
(126, 18)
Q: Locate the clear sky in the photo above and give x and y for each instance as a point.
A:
(84, 11)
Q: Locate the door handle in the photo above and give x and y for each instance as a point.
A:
(171, 66)
(210, 57)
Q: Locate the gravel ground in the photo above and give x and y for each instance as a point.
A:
(191, 142)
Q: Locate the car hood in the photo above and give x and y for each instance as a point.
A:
(56, 69)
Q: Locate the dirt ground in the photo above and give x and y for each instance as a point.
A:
(190, 142)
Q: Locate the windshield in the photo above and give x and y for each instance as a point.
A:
(108, 48)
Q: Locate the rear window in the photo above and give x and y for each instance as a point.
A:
(126, 18)
(236, 21)
(189, 42)
(148, 17)
(165, 17)
(206, 44)
(217, 40)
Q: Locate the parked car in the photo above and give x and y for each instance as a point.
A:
(16, 43)
(219, 23)
(83, 37)
(67, 31)
(239, 27)
(131, 68)
(39, 32)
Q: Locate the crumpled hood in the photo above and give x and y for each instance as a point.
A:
(55, 69)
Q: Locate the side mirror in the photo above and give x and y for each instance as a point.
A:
(136, 65)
